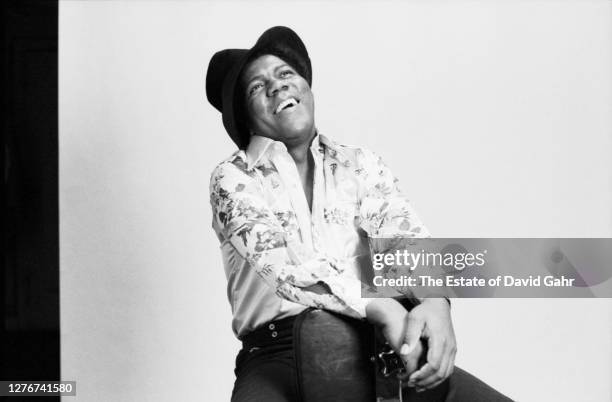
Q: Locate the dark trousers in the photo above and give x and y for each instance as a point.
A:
(266, 372)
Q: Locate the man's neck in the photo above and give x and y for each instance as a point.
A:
(300, 152)
(305, 166)
(299, 155)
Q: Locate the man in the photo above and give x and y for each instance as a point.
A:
(293, 211)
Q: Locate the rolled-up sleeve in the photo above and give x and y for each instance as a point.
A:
(385, 213)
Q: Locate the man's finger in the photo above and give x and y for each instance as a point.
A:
(412, 337)
(411, 361)
(451, 364)
(438, 376)
(447, 374)
(434, 360)
(420, 373)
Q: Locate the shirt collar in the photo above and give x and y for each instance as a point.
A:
(259, 145)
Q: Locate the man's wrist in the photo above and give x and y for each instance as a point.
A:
(377, 309)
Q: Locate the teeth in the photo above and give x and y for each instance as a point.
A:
(285, 103)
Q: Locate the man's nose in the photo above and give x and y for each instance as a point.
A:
(276, 86)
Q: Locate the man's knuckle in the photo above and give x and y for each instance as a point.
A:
(413, 318)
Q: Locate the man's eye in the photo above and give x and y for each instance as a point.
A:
(254, 88)
(286, 73)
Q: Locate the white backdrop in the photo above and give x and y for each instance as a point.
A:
(495, 116)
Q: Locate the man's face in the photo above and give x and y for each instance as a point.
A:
(279, 101)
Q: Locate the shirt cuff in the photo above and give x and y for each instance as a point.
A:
(348, 290)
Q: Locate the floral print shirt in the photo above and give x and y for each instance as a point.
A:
(274, 246)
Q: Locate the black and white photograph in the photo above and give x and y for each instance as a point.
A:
(314, 200)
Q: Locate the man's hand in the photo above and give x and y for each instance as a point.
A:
(431, 320)
(393, 320)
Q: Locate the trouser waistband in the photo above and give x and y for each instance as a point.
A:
(271, 333)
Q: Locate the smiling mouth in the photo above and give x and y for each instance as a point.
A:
(286, 104)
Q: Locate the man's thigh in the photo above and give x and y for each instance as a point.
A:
(266, 379)
(460, 387)
(464, 387)
(263, 377)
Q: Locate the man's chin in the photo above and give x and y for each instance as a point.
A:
(298, 130)
(297, 135)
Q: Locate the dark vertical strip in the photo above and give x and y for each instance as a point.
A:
(30, 223)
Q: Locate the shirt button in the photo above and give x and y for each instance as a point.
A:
(274, 334)
(271, 326)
